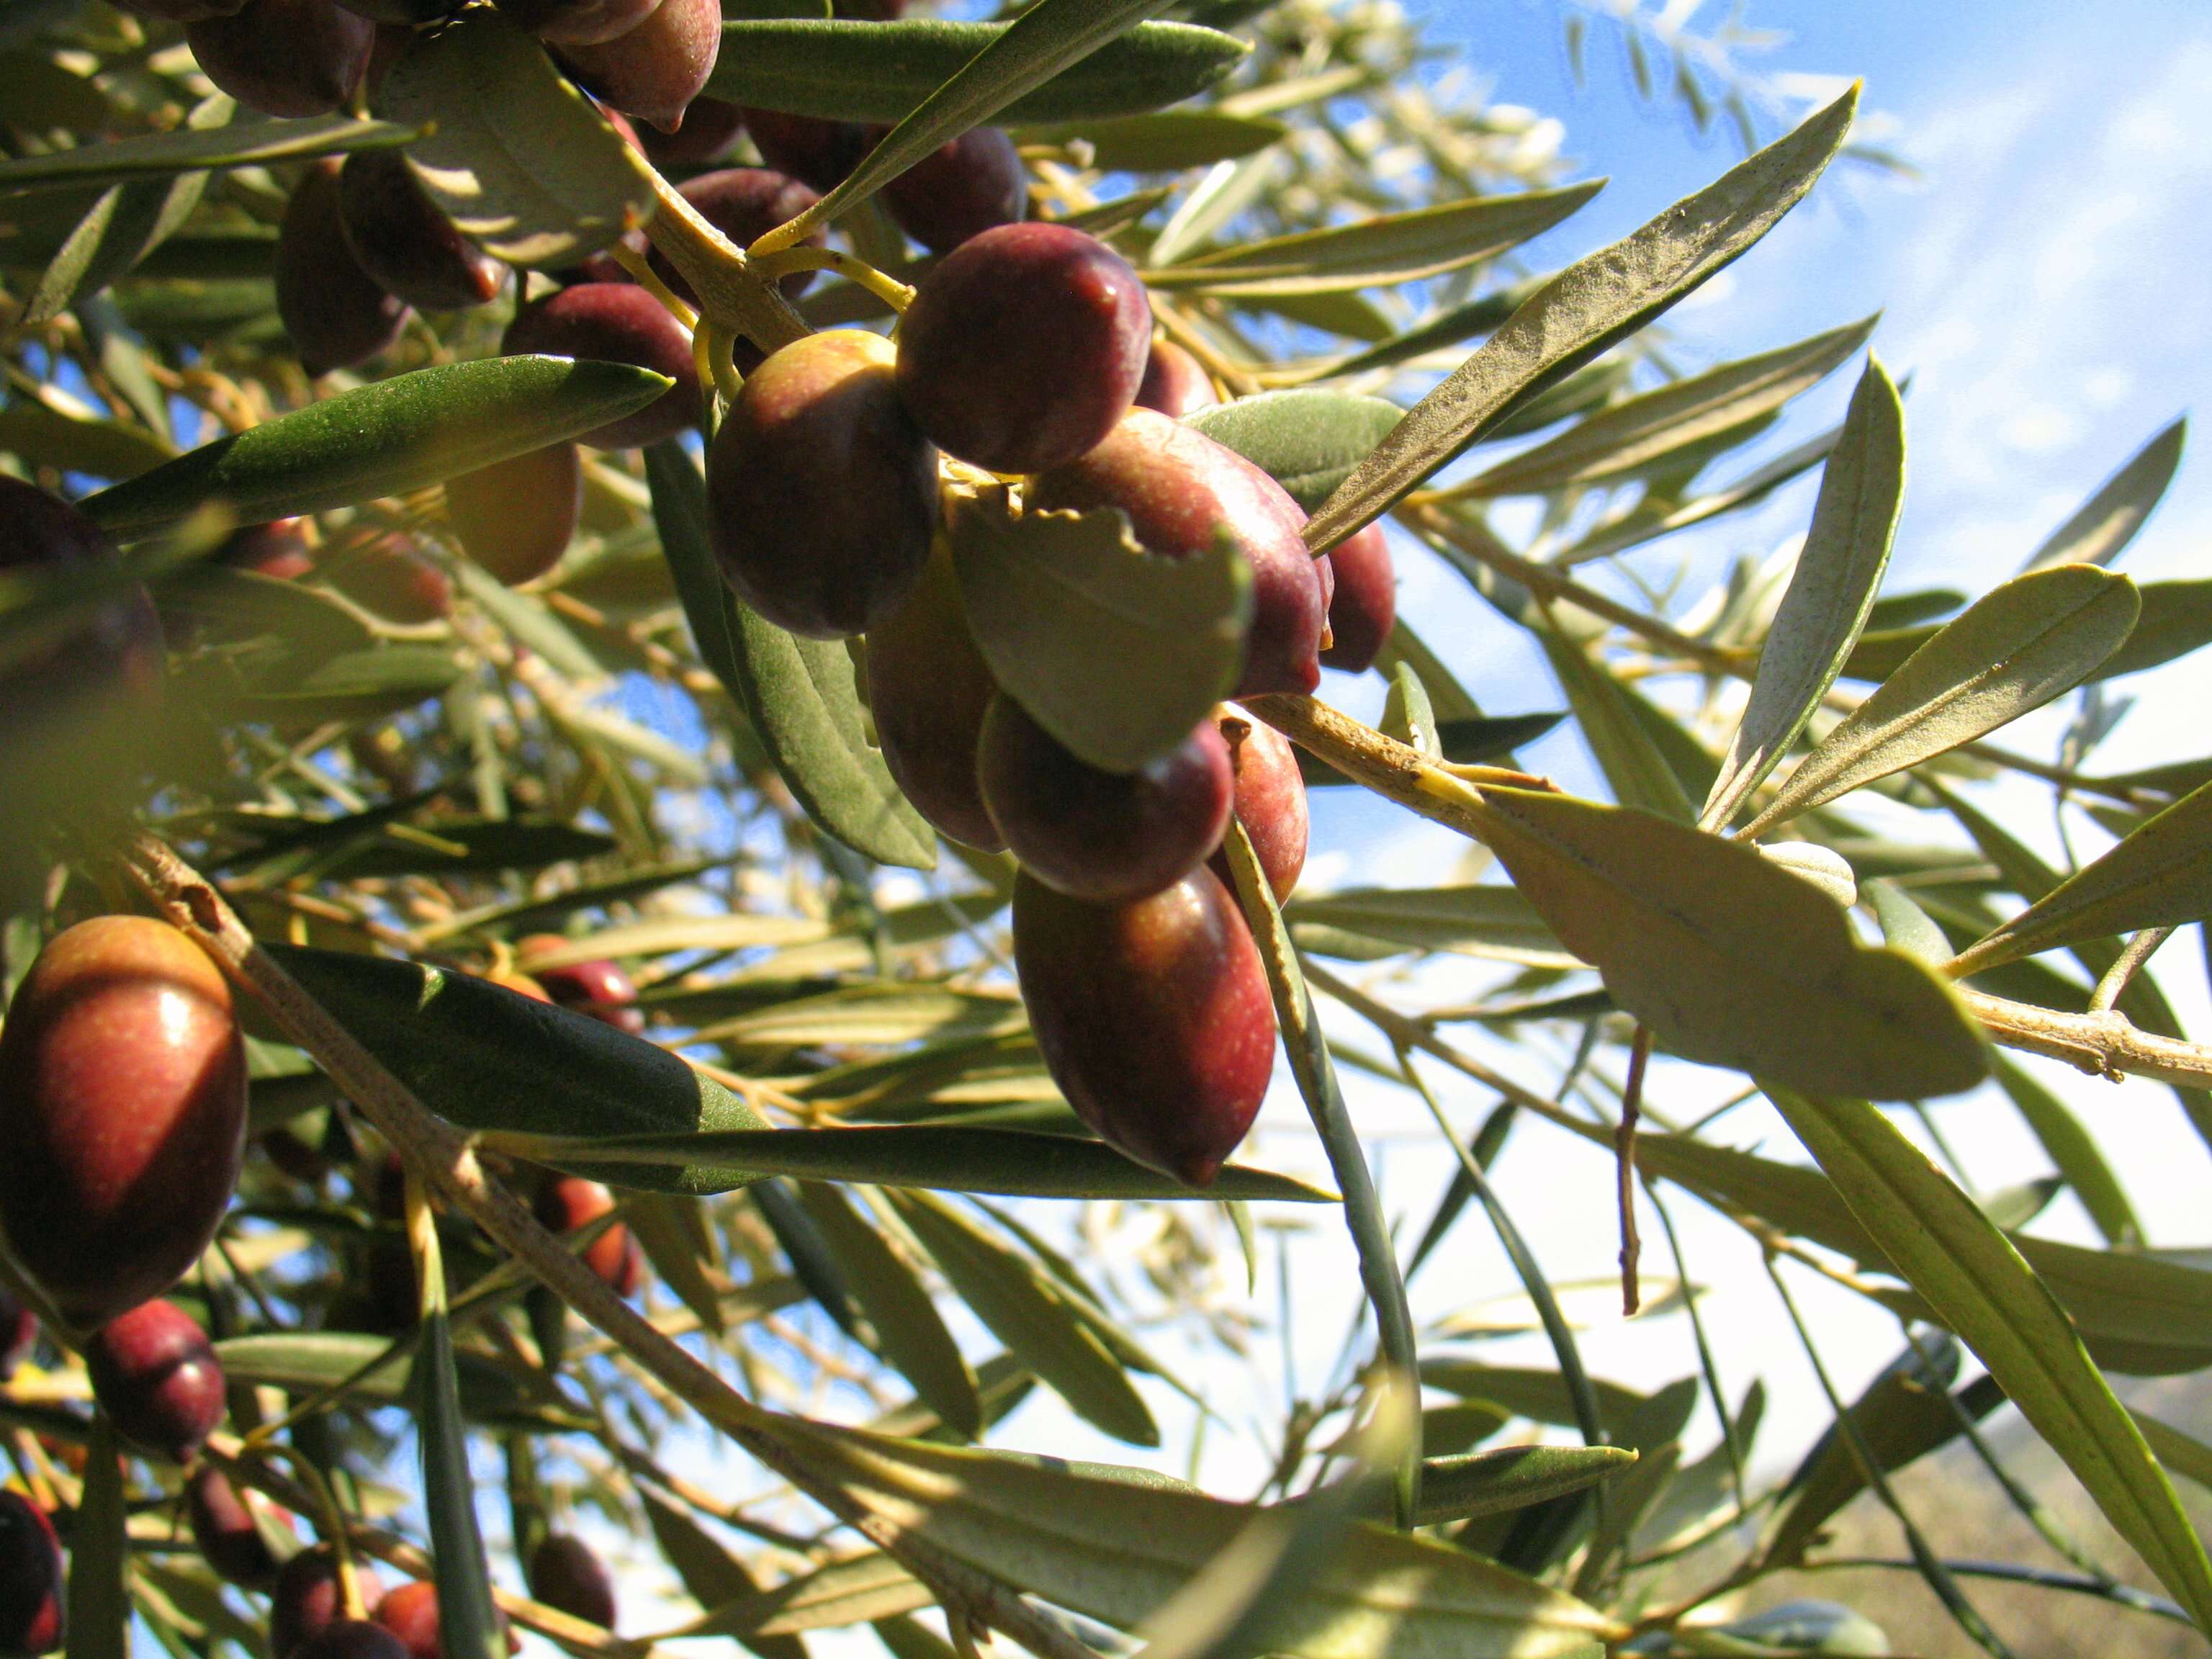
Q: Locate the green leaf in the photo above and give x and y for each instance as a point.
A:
(676, 1241)
(371, 1368)
(1407, 715)
(1638, 431)
(2108, 521)
(1635, 769)
(511, 152)
(473, 844)
(488, 1058)
(386, 439)
(2182, 1453)
(1541, 1396)
(871, 1587)
(468, 1623)
(158, 156)
(2159, 877)
(1497, 922)
(1025, 1310)
(799, 694)
(356, 685)
(1731, 960)
(2074, 1151)
(1167, 141)
(2176, 620)
(1584, 310)
(712, 1575)
(2012, 651)
(1511, 1477)
(880, 72)
(1307, 441)
(1971, 1275)
(42, 434)
(1116, 653)
(98, 1617)
(1838, 575)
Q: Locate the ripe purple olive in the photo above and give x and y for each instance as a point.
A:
(1270, 802)
(285, 57)
(566, 1573)
(224, 1530)
(390, 578)
(155, 1372)
(411, 1613)
(182, 11)
(1107, 836)
(1365, 606)
(616, 323)
(407, 246)
(823, 491)
(117, 651)
(819, 153)
(1023, 347)
(335, 312)
(305, 1606)
(1181, 489)
(31, 1605)
(1153, 1018)
(928, 689)
(599, 987)
(1173, 383)
(122, 1114)
(655, 69)
(961, 190)
(278, 550)
(516, 517)
(711, 128)
(352, 1638)
(567, 1203)
(19, 1335)
(743, 204)
(579, 23)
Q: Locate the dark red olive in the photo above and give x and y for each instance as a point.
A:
(155, 1372)
(928, 689)
(182, 11)
(655, 69)
(1023, 347)
(515, 518)
(1181, 489)
(224, 1529)
(823, 491)
(1173, 383)
(406, 245)
(1107, 836)
(122, 1114)
(285, 57)
(411, 1613)
(819, 153)
(335, 312)
(568, 1203)
(305, 1606)
(565, 1573)
(390, 578)
(579, 23)
(743, 204)
(961, 190)
(1153, 1016)
(19, 1333)
(31, 1604)
(1270, 802)
(711, 128)
(352, 1638)
(278, 550)
(599, 987)
(1366, 605)
(616, 323)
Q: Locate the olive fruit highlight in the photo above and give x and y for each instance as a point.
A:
(155, 1372)
(1365, 607)
(616, 323)
(352, 1638)
(655, 69)
(1153, 1018)
(334, 312)
(567, 1203)
(31, 1605)
(961, 190)
(223, 1529)
(405, 243)
(599, 988)
(928, 689)
(277, 550)
(743, 204)
(409, 1613)
(305, 1606)
(1173, 383)
(122, 1114)
(1270, 802)
(578, 23)
(516, 517)
(819, 153)
(566, 1573)
(1023, 347)
(822, 492)
(285, 57)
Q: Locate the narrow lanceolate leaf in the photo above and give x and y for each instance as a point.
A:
(188, 150)
(381, 439)
(511, 152)
(1511, 1477)
(2158, 877)
(1838, 575)
(98, 1604)
(1585, 309)
(2108, 521)
(1116, 653)
(1947, 1249)
(2074, 1151)
(1491, 920)
(1640, 430)
(880, 72)
(799, 695)
(2182, 1454)
(1729, 959)
(1392, 248)
(712, 1575)
(1307, 441)
(468, 1623)
(1114, 1547)
(1635, 769)
(2176, 620)
(2013, 651)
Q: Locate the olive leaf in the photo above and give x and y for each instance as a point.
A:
(1492, 921)
(468, 1621)
(98, 1619)
(1635, 769)
(44, 431)
(189, 149)
(871, 1586)
(711, 1575)
(1308, 440)
(2073, 1152)
(2105, 524)
(2176, 620)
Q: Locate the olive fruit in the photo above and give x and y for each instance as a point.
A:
(579, 23)
(408, 247)
(390, 578)
(655, 69)
(19, 1335)
(277, 551)
(411, 1613)
(122, 1114)
(1153, 1016)
(335, 312)
(305, 1606)
(1365, 607)
(928, 689)
(1023, 347)
(819, 153)
(822, 492)
(1270, 802)
(1173, 383)
(743, 204)
(515, 517)
(155, 1372)
(567, 1203)
(31, 1605)
(961, 190)
(616, 323)
(352, 1638)
(711, 127)
(182, 11)
(1108, 836)
(1181, 490)
(285, 57)
(566, 1573)
(401, 15)
(599, 988)
(223, 1529)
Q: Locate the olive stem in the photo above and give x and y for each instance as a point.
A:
(731, 293)
(885, 286)
(642, 273)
